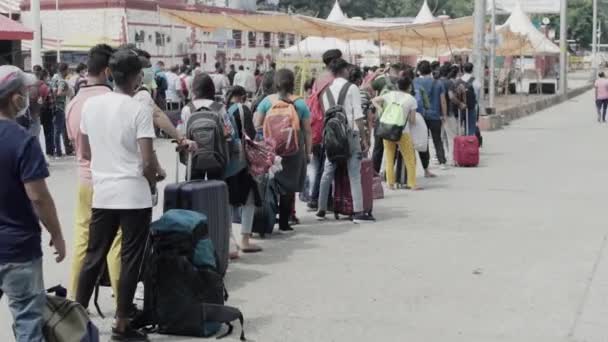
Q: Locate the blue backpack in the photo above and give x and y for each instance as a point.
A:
(184, 292)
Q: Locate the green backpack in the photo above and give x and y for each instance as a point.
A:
(393, 120)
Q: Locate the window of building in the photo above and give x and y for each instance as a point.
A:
(238, 38)
(267, 40)
(281, 40)
(251, 37)
(292, 39)
(160, 39)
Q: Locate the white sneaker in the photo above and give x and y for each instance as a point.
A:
(445, 167)
(139, 293)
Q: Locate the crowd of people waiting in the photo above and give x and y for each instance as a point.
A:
(111, 114)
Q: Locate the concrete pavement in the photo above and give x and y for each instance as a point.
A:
(510, 251)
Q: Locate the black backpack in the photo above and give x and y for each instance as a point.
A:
(181, 298)
(465, 93)
(336, 131)
(205, 128)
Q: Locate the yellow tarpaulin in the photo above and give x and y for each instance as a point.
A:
(428, 39)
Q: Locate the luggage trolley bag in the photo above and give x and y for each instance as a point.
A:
(466, 147)
(209, 198)
(343, 200)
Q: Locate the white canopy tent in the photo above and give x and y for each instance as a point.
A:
(314, 47)
(521, 37)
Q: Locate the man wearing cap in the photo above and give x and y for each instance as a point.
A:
(24, 202)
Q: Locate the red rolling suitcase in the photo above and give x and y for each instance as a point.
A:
(209, 198)
(466, 147)
(343, 200)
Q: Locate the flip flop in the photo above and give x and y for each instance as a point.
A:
(255, 249)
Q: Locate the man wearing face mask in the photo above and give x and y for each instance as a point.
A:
(144, 95)
(24, 202)
(96, 84)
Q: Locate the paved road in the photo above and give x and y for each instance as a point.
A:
(510, 251)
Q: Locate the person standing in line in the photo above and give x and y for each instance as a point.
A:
(161, 85)
(175, 97)
(220, 81)
(431, 97)
(471, 105)
(81, 79)
(450, 128)
(381, 83)
(231, 74)
(61, 93)
(352, 106)
(244, 193)
(144, 95)
(46, 112)
(25, 201)
(97, 84)
(317, 162)
(184, 74)
(239, 77)
(601, 96)
(291, 178)
(250, 83)
(117, 137)
(408, 104)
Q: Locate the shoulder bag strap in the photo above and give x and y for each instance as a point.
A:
(344, 93)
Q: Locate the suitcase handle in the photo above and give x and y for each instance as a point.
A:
(188, 167)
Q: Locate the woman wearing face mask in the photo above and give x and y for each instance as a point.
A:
(241, 185)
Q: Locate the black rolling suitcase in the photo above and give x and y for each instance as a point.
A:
(209, 198)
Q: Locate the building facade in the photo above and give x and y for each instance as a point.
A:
(80, 24)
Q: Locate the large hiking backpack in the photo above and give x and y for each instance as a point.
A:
(184, 292)
(205, 128)
(282, 126)
(393, 119)
(315, 104)
(336, 133)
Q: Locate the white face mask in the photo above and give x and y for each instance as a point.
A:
(26, 106)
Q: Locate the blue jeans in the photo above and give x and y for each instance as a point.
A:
(354, 175)
(23, 285)
(59, 132)
(316, 172)
(472, 125)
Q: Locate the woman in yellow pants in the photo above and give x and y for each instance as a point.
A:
(409, 157)
(409, 105)
(81, 242)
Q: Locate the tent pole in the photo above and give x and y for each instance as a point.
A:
(445, 33)
(492, 83)
(379, 49)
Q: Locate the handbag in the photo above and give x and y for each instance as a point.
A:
(259, 155)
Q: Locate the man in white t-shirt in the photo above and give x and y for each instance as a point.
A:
(175, 96)
(220, 81)
(117, 134)
(356, 118)
(408, 105)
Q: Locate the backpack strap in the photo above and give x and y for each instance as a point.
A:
(223, 314)
(344, 93)
(330, 98)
